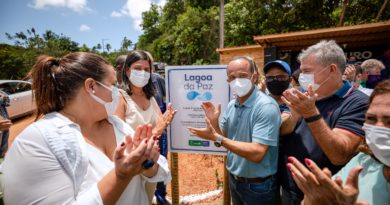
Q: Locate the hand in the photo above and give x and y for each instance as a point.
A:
(207, 133)
(169, 114)
(301, 103)
(128, 159)
(350, 73)
(318, 186)
(165, 119)
(5, 124)
(142, 132)
(210, 111)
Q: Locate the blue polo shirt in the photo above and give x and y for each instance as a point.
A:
(256, 120)
(344, 110)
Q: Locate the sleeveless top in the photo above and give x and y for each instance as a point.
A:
(135, 115)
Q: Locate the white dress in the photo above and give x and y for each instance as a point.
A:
(33, 173)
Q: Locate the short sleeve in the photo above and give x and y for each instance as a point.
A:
(266, 125)
(223, 123)
(352, 116)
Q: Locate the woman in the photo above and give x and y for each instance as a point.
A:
(77, 152)
(368, 171)
(138, 105)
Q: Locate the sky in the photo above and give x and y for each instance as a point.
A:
(85, 21)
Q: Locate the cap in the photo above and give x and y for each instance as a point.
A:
(278, 63)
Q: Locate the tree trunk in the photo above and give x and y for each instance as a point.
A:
(381, 10)
(345, 5)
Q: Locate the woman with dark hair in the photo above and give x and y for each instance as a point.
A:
(77, 151)
(138, 104)
(368, 171)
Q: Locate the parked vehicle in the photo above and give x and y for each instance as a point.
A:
(20, 95)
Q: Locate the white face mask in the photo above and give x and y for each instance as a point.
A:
(112, 106)
(139, 78)
(378, 139)
(308, 78)
(240, 86)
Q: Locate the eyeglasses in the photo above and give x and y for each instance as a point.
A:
(276, 78)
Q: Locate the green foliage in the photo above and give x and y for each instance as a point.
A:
(17, 60)
(187, 32)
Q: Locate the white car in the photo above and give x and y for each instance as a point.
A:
(20, 95)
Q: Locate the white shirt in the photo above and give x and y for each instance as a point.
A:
(33, 173)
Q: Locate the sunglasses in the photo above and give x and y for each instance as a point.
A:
(276, 78)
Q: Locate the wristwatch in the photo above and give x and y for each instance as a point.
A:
(218, 141)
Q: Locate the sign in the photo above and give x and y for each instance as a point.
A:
(187, 88)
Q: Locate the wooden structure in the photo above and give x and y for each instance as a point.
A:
(349, 37)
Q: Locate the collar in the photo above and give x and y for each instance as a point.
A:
(59, 120)
(250, 101)
(344, 91)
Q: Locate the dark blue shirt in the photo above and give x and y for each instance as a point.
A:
(344, 110)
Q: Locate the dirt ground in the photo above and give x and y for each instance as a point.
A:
(198, 173)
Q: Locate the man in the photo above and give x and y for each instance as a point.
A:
(330, 116)
(249, 130)
(120, 60)
(278, 79)
(372, 70)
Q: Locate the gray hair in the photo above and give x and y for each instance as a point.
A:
(371, 64)
(326, 53)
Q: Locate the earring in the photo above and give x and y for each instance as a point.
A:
(93, 91)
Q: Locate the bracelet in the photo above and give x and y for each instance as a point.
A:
(313, 118)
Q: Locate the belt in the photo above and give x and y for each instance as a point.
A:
(250, 180)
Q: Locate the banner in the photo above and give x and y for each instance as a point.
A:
(187, 87)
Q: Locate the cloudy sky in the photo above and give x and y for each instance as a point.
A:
(84, 21)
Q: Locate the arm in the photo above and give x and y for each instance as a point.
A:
(339, 145)
(289, 121)
(43, 170)
(251, 151)
(263, 128)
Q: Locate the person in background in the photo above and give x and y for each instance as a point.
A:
(278, 79)
(249, 130)
(295, 79)
(159, 85)
(119, 62)
(331, 114)
(5, 123)
(77, 151)
(367, 175)
(372, 69)
(138, 104)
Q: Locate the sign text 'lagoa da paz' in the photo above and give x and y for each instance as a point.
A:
(198, 82)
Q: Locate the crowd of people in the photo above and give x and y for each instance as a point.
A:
(316, 135)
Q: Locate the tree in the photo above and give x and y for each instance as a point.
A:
(99, 46)
(150, 26)
(108, 47)
(126, 44)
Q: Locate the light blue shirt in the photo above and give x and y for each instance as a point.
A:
(256, 120)
(373, 187)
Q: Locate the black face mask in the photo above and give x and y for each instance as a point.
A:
(277, 87)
